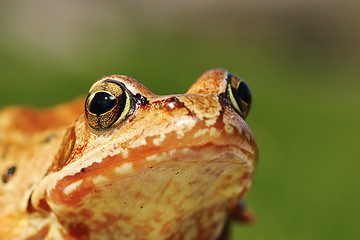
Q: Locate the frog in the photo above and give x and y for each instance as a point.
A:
(125, 163)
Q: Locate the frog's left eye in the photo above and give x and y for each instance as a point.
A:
(239, 95)
(108, 103)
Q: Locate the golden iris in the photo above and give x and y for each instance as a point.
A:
(108, 103)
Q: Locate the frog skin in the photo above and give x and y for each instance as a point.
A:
(135, 165)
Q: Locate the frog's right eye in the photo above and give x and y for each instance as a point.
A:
(107, 104)
(239, 95)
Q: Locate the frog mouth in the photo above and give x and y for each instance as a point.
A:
(208, 166)
(215, 163)
(193, 156)
(201, 153)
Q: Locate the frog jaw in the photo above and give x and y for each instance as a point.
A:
(174, 193)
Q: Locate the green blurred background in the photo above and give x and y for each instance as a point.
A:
(300, 59)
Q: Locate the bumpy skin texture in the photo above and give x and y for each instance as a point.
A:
(169, 171)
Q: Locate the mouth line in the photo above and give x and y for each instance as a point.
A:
(200, 153)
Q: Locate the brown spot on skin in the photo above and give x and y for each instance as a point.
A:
(49, 137)
(5, 177)
(41, 234)
(42, 205)
(79, 230)
(173, 103)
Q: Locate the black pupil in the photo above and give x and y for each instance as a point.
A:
(101, 103)
(244, 92)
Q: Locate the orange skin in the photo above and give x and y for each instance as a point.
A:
(171, 170)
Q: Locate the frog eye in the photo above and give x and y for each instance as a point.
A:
(108, 103)
(239, 95)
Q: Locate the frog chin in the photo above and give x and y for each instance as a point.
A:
(156, 192)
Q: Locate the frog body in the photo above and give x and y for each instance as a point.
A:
(135, 166)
